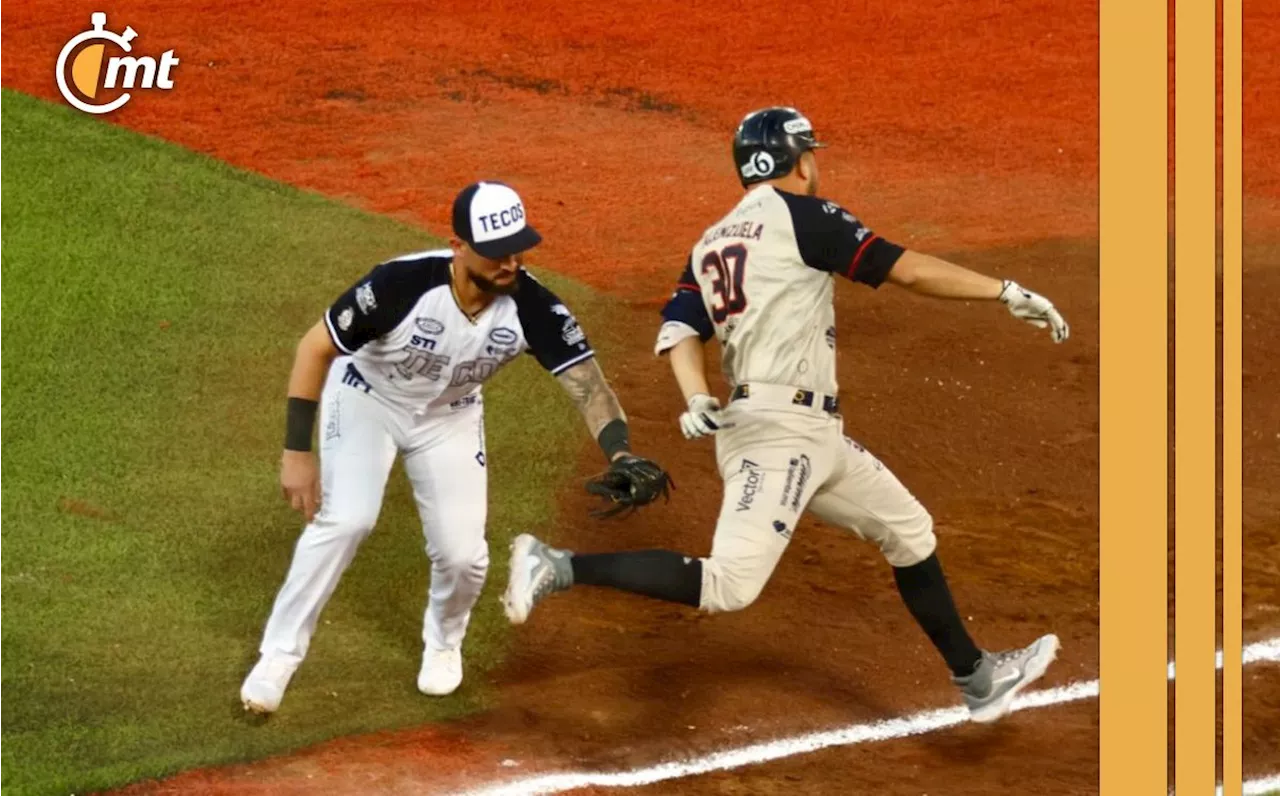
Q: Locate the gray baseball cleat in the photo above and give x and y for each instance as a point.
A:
(536, 571)
(990, 690)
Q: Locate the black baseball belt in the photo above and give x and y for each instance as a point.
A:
(830, 403)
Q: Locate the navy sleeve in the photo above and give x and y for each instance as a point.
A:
(685, 305)
(381, 299)
(832, 239)
(554, 337)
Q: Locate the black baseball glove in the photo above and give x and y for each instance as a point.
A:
(630, 482)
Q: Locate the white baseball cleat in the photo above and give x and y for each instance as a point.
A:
(441, 672)
(264, 687)
(990, 690)
(536, 570)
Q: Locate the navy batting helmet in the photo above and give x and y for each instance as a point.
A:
(768, 143)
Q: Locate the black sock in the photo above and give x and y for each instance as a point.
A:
(660, 574)
(924, 589)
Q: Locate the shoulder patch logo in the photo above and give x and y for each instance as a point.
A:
(572, 333)
(344, 319)
(365, 299)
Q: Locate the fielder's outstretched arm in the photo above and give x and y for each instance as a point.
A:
(600, 409)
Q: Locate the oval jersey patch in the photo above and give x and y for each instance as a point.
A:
(503, 336)
(429, 325)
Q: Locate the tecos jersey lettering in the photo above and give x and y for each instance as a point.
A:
(760, 280)
(412, 345)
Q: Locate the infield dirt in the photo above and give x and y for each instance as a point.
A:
(964, 129)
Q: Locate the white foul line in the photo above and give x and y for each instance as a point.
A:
(1259, 786)
(884, 730)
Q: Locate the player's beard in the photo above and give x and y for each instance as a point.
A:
(489, 286)
(812, 186)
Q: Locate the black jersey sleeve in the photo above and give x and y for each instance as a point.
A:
(832, 239)
(685, 305)
(550, 329)
(381, 299)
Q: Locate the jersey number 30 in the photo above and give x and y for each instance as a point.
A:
(726, 268)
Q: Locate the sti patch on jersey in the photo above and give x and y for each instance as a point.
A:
(415, 347)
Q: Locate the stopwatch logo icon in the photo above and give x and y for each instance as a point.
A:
(88, 76)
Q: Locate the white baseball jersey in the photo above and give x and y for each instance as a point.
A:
(760, 280)
(412, 344)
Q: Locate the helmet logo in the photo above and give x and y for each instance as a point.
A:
(800, 125)
(760, 165)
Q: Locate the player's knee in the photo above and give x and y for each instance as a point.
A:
(729, 585)
(461, 560)
(741, 595)
(911, 543)
(354, 522)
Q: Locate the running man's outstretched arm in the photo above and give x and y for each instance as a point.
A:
(931, 276)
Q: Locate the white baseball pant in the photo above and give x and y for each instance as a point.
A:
(777, 461)
(444, 460)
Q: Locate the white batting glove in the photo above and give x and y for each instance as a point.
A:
(704, 417)
(1034, 309)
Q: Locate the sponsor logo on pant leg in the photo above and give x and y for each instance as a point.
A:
(333, 429)
(797, 476)
(753, 484)
(874, 461)
(782, 529)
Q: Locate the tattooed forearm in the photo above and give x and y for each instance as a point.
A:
(586, 385)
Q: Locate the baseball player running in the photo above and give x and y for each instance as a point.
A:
(760, 280)
(396, 367)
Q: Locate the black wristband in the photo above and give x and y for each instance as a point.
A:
(613, 438)
(299, 421)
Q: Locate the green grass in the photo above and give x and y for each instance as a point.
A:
(152, 299)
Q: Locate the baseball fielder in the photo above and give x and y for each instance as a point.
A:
(760, 280)
(396, 367)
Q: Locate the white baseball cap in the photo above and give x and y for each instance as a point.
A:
(491, 218)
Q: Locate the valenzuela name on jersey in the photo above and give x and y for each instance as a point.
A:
(416, 348)
(747, 230)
